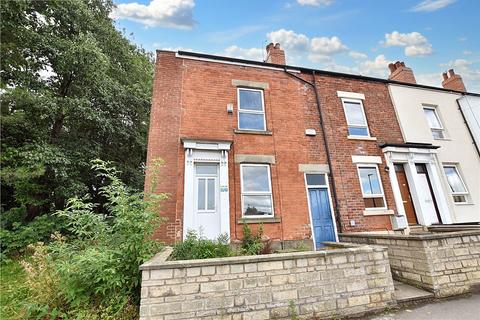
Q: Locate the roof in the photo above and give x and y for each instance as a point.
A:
(317, 71)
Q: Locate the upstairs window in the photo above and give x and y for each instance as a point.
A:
(371, 185)
(251, 110)
(434, 122)
(457, 186)
(256, 190)
(356, 120)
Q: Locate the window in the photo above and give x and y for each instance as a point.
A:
(251, 110)
(457, 186)
(256, 190)
(314, 180)
(356, 120)
(434, 122)
(206, 187)
(371, 186)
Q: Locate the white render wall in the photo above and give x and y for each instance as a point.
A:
(471, 109)
(456, 148)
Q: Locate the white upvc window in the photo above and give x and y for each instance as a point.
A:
(371, 185)
(256, 189)
(457, 185)
(251, 110)
(356, 119)
(438, 132)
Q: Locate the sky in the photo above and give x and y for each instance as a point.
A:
(350, 36)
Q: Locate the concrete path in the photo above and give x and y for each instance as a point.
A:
(405, 293)
(464, 308)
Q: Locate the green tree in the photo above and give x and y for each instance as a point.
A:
(73, 88)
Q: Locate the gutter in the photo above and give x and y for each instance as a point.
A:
(468, 127)
(325, 142)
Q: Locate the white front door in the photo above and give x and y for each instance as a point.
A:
(207, 199)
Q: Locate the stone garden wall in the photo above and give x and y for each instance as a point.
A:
(325, 283)
(444, 263)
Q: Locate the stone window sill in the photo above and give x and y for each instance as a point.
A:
(382, 212)
(361, 138)
(258, 220)
(265, 133)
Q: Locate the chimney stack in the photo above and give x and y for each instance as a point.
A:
(453, 81)
(399, 72)
(275, 54)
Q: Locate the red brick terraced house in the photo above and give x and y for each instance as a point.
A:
(292, 149)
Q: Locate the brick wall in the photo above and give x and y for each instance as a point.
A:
(189, 101)
(325, 284)
(446, 263)
(382, 124)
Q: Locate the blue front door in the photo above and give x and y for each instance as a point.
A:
(322, 222)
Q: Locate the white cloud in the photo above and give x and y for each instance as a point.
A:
(316, 49)
(462, 39)
(327, 46)
(376, 68)
(315, 3)
(158, 13)
(244, 53)
(357, 55)
(414, 42)
(289, 40)
(432, 5)
(467, 52)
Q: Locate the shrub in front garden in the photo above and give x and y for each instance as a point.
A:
(93, 273)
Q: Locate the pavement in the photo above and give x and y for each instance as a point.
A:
(462, 308)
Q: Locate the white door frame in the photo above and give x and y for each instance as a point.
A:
(410, 156)
(327, 185)
(206, 151)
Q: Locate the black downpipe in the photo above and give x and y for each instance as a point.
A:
(325, 142)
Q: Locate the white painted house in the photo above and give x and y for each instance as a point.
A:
(435, 174)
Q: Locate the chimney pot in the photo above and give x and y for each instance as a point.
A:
(399, 72)
(275, 54)
(453, 81)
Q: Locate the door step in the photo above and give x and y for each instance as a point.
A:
(405, 293)
(418, 229)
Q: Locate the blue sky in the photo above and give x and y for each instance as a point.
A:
(350, 36)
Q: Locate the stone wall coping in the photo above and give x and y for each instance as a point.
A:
(159, 261)
(415, 237)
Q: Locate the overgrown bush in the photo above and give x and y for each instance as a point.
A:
(255, 244)
(196, 247)
(93, 273)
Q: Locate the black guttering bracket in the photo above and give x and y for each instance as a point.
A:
(325, 141)
(409, 145)
(466, 124)
(323, 72)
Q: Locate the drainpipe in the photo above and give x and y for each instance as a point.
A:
(468, 127)
(325, 142)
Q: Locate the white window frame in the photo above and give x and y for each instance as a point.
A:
(466, 193)
(206, 176)
(256, 193)
(355, 125)
(379, 195)
(441, 128)
(240, 110)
